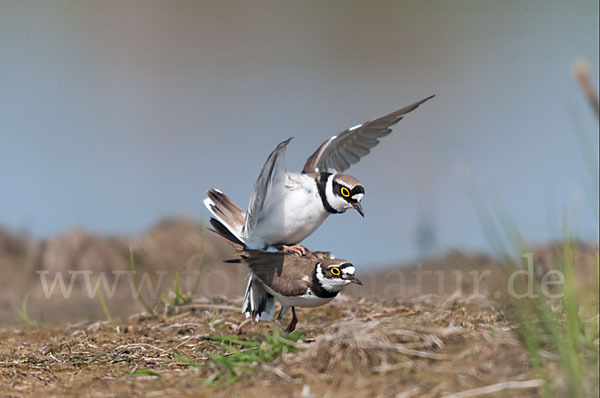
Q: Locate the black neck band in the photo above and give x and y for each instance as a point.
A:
(319, 290)
(322, 185)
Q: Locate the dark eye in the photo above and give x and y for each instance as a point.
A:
(345, 192)
(334, 271)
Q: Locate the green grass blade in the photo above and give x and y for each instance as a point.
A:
(102, 303)
(23, 314)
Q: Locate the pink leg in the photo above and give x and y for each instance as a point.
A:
(295, 249)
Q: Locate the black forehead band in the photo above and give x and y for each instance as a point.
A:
(355, 190)
(344, 265)
(358, 189)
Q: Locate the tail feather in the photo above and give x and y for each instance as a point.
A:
(222, 230)
(258, 303)
(228, 221)
(223, 209)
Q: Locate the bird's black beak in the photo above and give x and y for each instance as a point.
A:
(356, 280)
(359, 208)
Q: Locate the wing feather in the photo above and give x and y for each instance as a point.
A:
(273, 171)
(288, 280)
(347, 148)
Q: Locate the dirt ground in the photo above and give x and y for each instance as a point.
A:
(430, 346)
(421, 330)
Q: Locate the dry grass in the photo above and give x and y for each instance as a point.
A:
(430, 346)
(413, 344)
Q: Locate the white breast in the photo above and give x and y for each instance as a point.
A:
(291, 213)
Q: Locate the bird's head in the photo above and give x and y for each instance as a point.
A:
(335, 274)
(344, 192)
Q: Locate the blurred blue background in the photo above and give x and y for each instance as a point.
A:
(116, 114)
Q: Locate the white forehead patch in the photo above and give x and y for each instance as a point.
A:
(358, 196)
(349, 270)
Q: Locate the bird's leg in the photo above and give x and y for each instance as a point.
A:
(281, 311)
(293, 323)
(295, 249)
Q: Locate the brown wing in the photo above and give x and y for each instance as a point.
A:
(347, 148)
(287, 274)
(322, 256)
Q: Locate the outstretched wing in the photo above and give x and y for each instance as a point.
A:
(347, 148)
(272, 171)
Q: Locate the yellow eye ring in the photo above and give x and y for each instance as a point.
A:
(345, 192)
(335, 271)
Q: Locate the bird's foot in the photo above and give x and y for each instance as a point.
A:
(292, 326)
(295, 249)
